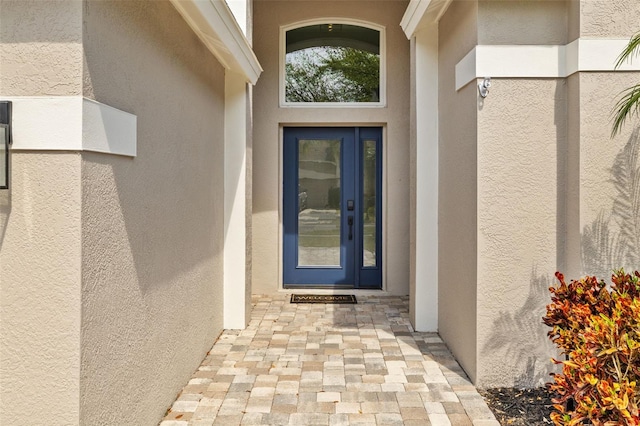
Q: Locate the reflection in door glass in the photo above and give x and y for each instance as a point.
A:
(319, 202)
(369, 203)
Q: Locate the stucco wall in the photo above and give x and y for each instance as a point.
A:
(569, 241)
(608, 238)
(608, 198)
(457, 188)
(522, 22)
(40, 290)
(522, 180)
(40, 54)
(573, 19)
(553, 191)
(608, 18)
(152, 226)
(40, 47)
(521, 128)
(268, 17)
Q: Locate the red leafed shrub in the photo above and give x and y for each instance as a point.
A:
(597, 328)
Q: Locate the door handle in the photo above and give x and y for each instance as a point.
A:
(350, 223)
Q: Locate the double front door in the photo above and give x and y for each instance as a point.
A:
(332, 207)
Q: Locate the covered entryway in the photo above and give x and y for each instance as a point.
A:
(281, 221)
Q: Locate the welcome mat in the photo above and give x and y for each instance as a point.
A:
(323, 298)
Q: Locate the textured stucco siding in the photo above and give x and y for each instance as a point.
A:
(551, 188)
(605, 234)
(40, 47)
(40, 54)
(610, 234)
(521, 128)
(152, 226)
(608, 18)
(569, 245)
(522, 22)
(269, 16)
(457, 188)
(40, 290)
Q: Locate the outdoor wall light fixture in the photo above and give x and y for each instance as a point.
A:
(5, 141)
(483, 87)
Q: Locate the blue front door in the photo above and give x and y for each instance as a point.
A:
(332, 207)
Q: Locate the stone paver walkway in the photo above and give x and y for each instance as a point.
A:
(317, 364)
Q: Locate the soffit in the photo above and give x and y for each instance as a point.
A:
(215, 25)
(421, 14)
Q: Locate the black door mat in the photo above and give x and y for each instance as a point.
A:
(323, 298)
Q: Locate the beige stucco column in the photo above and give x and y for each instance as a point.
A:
(40, 233)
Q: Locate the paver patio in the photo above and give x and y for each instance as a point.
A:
(322, 364)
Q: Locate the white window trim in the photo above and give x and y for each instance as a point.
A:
(383, 65)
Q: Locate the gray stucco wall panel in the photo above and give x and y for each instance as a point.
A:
(457, 189)
(569, 251)
(152, 226)
(522, 22)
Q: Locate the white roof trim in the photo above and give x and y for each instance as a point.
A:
(421, 13)
(215, 25)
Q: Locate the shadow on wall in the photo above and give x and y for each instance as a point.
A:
(167, 201)
(519, 337)
(612, 240)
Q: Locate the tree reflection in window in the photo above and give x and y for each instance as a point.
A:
(332, 63)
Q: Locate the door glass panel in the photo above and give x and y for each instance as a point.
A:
(369, 203)
(319, 202)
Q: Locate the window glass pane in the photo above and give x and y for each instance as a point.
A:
(332, 63)
(319, 202)
(369, 203)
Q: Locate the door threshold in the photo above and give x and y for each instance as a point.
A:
(333, 290)
(318, 287)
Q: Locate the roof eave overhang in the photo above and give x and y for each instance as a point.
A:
(214, 23)
(421, 14)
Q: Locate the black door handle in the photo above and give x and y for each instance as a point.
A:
(350, 223)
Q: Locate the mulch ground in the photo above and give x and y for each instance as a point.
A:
(519, 407)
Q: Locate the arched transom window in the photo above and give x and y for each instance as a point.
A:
(332, 62)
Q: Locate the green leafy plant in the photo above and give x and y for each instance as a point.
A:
(629, 102)
(332, 74)
(597, 328)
